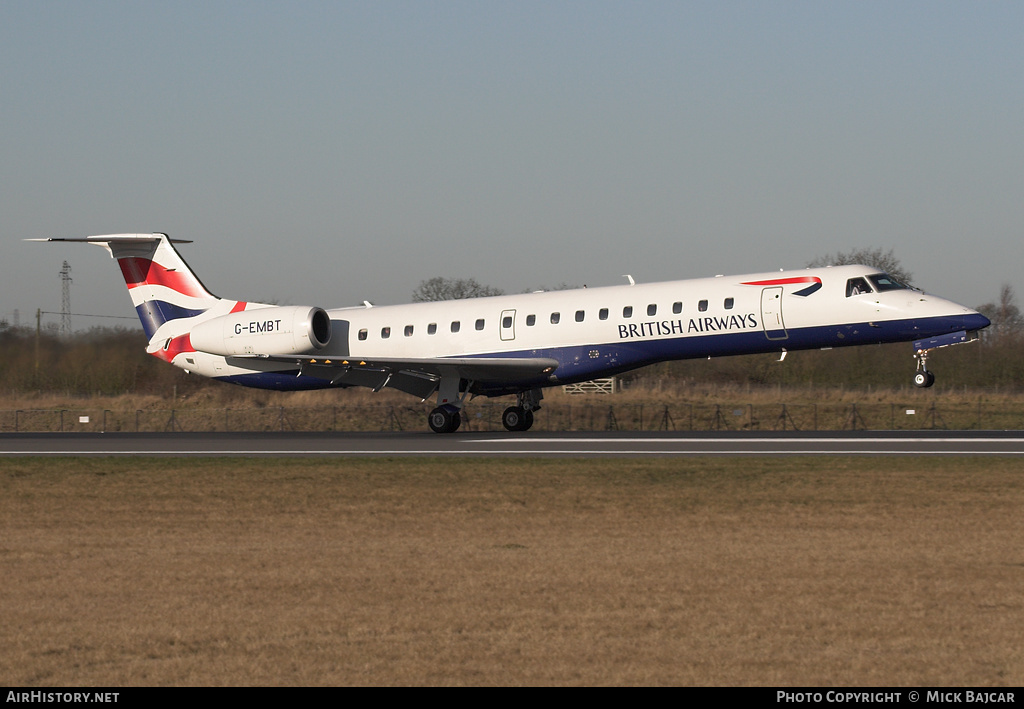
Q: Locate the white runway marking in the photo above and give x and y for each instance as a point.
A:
(809, 439)
(435, 453)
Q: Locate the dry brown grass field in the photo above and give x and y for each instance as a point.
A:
(809, 571)
(656, 405)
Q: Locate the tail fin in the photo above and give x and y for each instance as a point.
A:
(162, 286)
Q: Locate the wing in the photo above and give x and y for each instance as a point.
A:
(419, 377)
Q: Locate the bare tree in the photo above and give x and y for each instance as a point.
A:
(875, 257)
(439, 288)
(561, 286)
(1007, 319)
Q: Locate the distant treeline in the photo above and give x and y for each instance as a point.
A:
(113, 362)
(100, 361)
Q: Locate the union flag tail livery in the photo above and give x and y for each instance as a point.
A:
(162, 286)
(520, 344)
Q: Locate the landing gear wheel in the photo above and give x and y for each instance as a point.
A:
(516, 418)
(924, 379)
(441, 420)
(527, 421)
(512, 418)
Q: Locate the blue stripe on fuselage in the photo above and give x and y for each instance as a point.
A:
(279, 381)
(154, 313)
(584, 362)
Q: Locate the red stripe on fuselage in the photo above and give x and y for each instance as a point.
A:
(783, 281)
(238, 307)
(142, 271)
(176, 346)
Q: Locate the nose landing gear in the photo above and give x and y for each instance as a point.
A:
(922, 377)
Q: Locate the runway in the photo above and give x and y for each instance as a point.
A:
(589, 444)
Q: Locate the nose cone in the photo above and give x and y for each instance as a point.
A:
(975, 321)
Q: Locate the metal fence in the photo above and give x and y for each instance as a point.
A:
(553, 417)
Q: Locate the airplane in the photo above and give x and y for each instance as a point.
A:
(520, 344)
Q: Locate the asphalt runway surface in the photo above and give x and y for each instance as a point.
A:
(546, 444)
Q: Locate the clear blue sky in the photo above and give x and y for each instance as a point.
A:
(327, 153)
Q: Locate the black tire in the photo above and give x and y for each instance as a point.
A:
(441, 420)
(514, 417)
(527, 421)
(923, 379)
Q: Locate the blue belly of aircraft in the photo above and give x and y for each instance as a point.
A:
(585, 362)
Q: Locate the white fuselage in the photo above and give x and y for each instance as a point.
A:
(594, 332)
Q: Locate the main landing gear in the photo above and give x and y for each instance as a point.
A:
(451, 397)
(447, 418)
(520, 417)
(444, 419)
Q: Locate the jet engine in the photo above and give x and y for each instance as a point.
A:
(273, 331)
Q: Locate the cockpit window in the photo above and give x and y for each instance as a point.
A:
(884, 282)
(857, 286)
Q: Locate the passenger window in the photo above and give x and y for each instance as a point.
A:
(602, 314)
(677, 308)
(729, 303)
(627, 312)
(702, 305)
(506, 322)
(432, 328)
(480, 324)
(385, 333)
(362, 334)
(531, 320)
(408, 330)
(456, 325)
(857, 286)
(555, 317)
(652, 309)
(579, 316)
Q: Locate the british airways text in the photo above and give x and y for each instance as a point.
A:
(679, 327)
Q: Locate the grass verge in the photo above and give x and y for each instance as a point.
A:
(809, 571)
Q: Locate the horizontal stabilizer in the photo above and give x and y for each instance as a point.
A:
(111, 238)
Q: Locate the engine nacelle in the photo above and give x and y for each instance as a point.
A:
(268, 331)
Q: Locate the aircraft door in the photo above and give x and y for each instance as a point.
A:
(507, 325)
(771, 314)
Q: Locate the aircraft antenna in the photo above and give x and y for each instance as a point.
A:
(65, 300)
